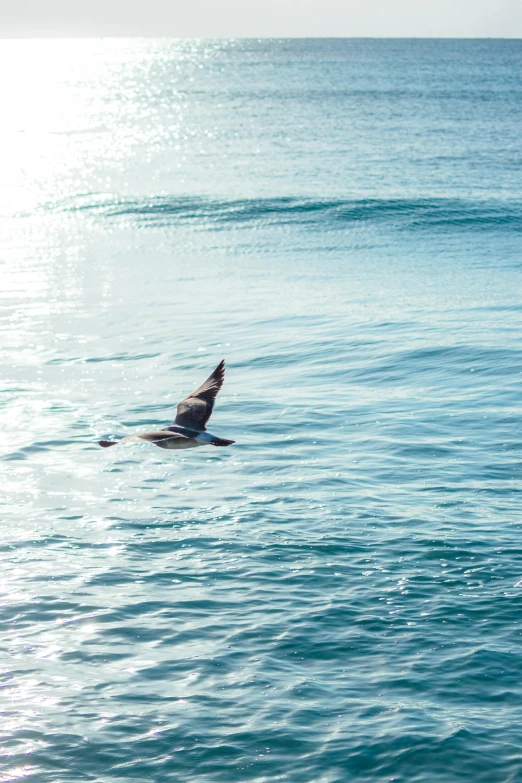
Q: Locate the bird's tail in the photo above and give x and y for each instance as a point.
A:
(222, 442)
(107, 443)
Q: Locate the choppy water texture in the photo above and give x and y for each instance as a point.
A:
(338, 596)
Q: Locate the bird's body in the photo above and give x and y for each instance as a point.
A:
(188, 430)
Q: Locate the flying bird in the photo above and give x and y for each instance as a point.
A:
(189, 427)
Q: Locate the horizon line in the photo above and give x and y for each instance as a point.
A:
(113, 36)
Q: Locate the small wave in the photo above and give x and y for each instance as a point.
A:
(434, 213)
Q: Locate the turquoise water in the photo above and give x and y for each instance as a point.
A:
(337, 597)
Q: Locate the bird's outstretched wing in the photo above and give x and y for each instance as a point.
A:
(194, 411)
(161, 436)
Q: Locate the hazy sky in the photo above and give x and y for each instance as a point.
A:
(253, 18)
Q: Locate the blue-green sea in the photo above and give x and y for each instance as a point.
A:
(336, 598)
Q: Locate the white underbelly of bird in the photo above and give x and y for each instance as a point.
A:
(175, 442)
(166, 443)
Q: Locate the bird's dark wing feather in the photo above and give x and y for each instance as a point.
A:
(194, 411)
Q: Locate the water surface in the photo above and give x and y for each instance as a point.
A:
(337, 596)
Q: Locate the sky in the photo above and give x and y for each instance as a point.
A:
(262, 18)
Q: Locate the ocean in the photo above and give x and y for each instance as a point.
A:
(338, 596)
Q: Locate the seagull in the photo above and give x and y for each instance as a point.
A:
(188, 429)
